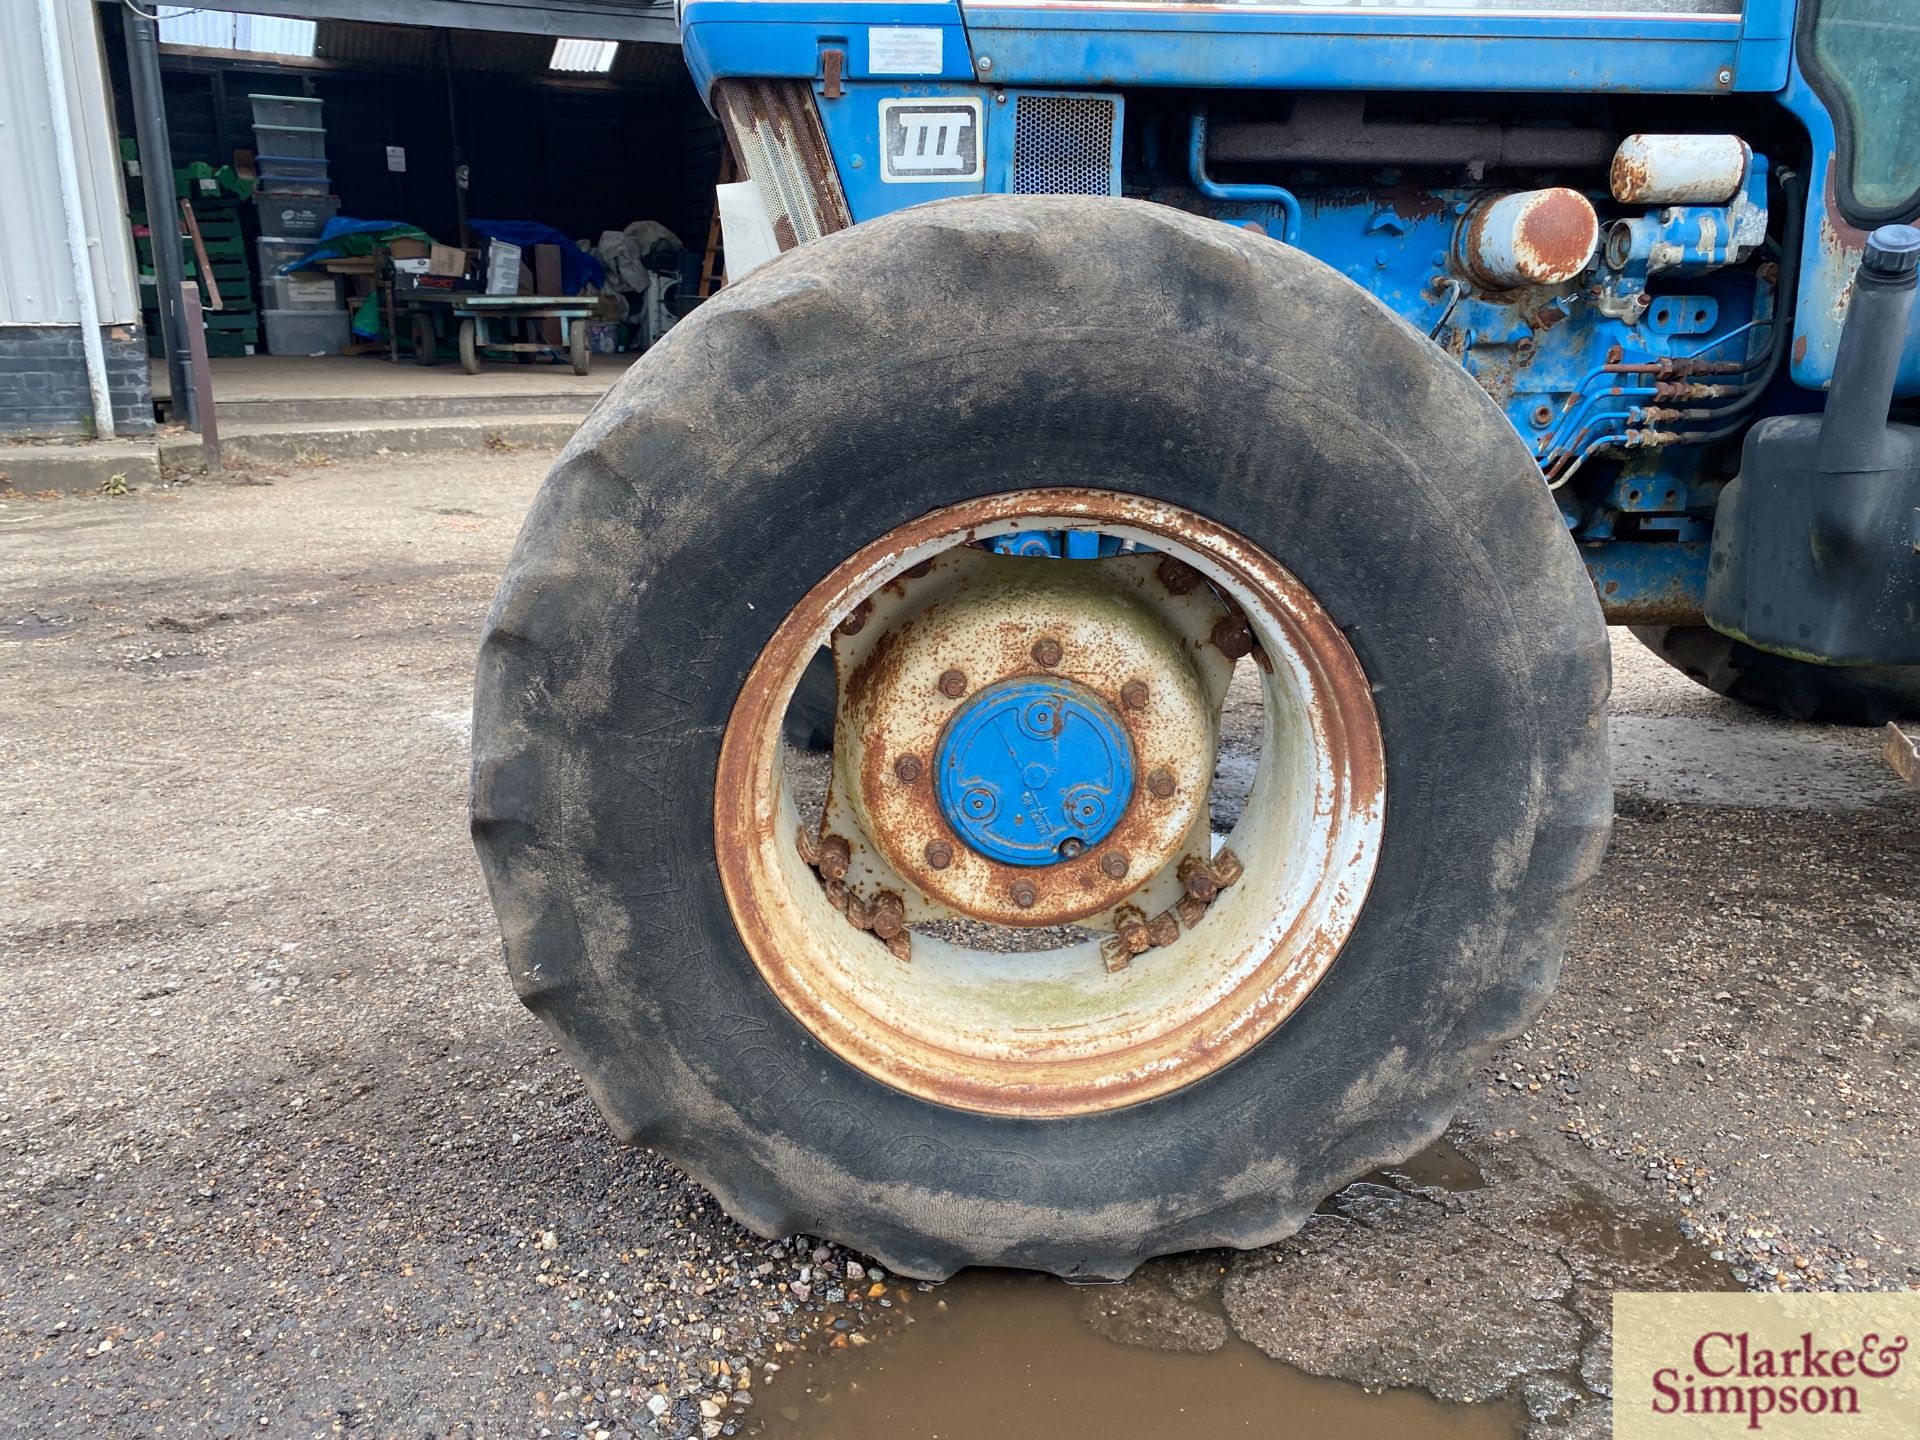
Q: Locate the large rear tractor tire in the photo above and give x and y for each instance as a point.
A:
(1829, 694)
(826, 453)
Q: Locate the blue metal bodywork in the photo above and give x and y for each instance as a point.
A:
(1603, 378)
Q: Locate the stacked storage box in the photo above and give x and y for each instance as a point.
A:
(304, 314)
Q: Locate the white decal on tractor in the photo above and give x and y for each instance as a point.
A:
(930, 140)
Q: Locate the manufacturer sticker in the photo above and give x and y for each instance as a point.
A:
(903, 50)
(930, 140)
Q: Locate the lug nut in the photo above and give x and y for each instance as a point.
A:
(889, 915)
(1024, 895)
(1231, 637)
(1179, 577)
(1114, 865)
(901, 947)
(939, 854)
(1133, 695)
(808, 841)
(907, 767)
(1131, 926)
(835, 856)
(1164, 928)
(1190, 910)
(953, 684)
(1114, 954)
(857, 621)
(1046, 652)
(1226, 868)
(1160, 783)
(1197, 880)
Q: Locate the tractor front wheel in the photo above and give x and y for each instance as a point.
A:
(1045, 474)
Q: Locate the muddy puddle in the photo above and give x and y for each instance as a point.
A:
(1464, 1294)
(1007, 1354)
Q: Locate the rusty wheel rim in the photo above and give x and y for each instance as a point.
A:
(1056, 1034)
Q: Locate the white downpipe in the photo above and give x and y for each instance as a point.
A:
(78, 246)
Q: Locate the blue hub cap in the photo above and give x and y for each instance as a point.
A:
(1034, 771)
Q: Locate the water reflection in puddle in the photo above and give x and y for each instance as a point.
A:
(1006, 1354)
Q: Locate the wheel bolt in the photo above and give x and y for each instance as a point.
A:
(1114, 865)
(907, 767)
(1231, 637)
(1133, 695)
(857, 621)
(1024, 894)
(835, 856)
(1179, 577)
(1160, 783)
(939, 854)
(889, 915)
(953, 684)
(1046, 652)
(1197, 878)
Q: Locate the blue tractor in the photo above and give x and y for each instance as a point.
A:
(1181, 460)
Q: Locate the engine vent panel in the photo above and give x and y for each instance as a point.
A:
(1066, 144)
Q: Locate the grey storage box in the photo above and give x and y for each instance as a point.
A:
(306, 332)
(285, 110)
(291, 142)
(301, 290)
(295, 216)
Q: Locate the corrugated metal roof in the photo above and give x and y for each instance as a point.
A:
(228, 30)
(591, 57)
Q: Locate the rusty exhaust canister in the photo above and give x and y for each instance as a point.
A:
(1532, 237)
(1678, 169)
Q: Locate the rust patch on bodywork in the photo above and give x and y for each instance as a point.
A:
(773, 128)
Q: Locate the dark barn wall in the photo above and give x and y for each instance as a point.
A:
(580, 158)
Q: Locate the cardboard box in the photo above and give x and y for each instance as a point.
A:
(446, 260)
(405, 248)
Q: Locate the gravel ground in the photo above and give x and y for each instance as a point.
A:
(283, 1154)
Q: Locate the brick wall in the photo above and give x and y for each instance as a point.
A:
(43, 381)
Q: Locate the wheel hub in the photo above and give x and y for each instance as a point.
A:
(1026, 741)
(1032, 772)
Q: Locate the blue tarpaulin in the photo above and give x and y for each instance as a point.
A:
(341, 229)
(578, 270)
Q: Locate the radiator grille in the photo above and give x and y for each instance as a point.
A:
(1063, 145)
(778, 140)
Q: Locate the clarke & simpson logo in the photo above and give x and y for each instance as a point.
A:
(1779, 1365)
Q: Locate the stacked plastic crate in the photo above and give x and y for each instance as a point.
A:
(304, 313)
(215, 195)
